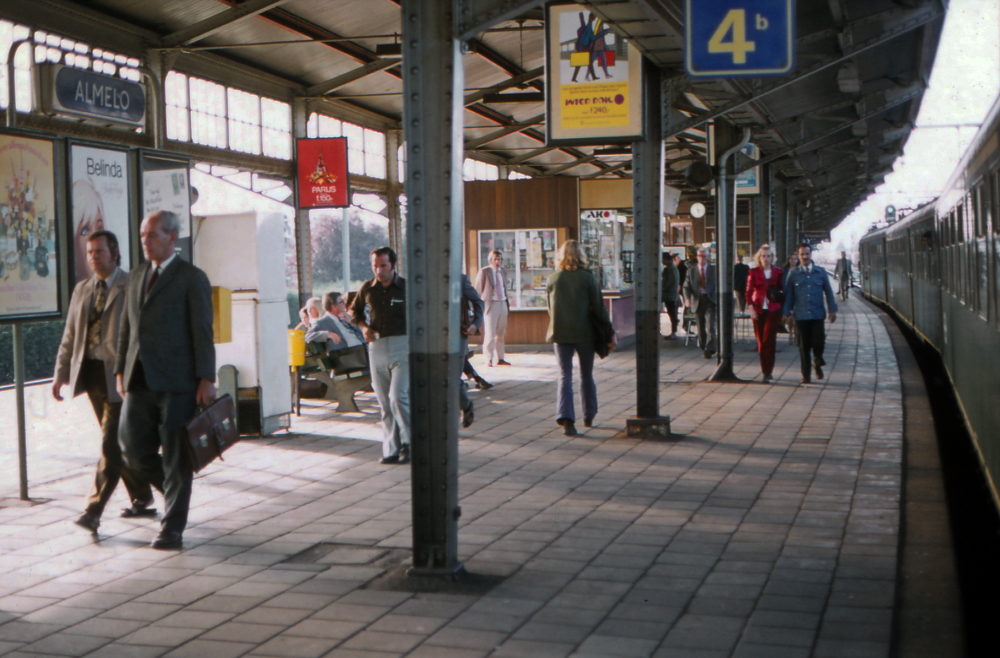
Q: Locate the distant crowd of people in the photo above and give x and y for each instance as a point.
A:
(797, 298)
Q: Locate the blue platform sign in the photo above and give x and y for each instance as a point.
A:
(730, 38)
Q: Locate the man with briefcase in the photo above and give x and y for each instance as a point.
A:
(165, 368)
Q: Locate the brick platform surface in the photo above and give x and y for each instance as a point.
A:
(767, 527)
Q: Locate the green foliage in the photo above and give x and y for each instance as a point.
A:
(41, 344)
(327, 243)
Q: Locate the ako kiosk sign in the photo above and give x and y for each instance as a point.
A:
(322, 178)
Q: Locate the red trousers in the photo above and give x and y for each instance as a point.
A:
(765, 327)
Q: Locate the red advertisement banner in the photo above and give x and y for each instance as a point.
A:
(322, 166)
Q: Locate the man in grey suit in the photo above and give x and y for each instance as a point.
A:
(165, 368)
(86, 362)
(699, 296)
(332, 329)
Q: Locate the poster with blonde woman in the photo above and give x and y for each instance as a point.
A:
(100, 201)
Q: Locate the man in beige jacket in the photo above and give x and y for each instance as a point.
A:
(85, 362)
(492, 286)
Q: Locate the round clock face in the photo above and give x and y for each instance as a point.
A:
(697, 210)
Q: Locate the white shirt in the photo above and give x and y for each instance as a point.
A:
(767, 277)
(499, 292)
(347, 334)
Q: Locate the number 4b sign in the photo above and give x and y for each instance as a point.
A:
(728, 38)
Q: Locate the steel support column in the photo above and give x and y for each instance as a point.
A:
(761, 212)
(22, 433)
(647, 205)
(779, 226)
(791, 223)
(725, 237)
(433, 81)
(393, 140)
(303, 230)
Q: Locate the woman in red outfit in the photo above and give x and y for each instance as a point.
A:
(765, 309)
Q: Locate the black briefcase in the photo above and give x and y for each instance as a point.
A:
(211, 433)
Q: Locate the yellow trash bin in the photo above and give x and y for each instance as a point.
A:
(296, 347)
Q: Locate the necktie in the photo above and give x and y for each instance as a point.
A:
(152, 280)
(94, 321)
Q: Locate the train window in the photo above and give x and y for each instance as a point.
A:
(960, 222)
(979, 208)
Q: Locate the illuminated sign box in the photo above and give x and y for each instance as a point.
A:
(322, 178)
(84, 94)
(593, 81)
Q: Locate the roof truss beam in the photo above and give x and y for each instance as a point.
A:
(214, 23)
(476, 16)
(503, 132)
(351, 76)
(516, 81)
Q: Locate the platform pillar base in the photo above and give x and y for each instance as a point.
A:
(657, 427)
(454, 572)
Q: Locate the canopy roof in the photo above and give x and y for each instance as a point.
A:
(831, 130)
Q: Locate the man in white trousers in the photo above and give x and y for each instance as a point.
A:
(491, 284)
(385, 330)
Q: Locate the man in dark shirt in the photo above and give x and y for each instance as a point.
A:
(385, 330)
(741, 273)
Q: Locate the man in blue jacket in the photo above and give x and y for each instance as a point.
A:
(804, 291)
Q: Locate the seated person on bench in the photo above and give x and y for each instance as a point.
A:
(334, 328)
(309, 313)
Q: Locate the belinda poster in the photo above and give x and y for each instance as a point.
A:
(29, 281)
(99, 189)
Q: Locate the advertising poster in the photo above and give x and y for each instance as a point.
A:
(99, 198)
(166, 186)
(594, 80)
(322, 173)
(29, 281)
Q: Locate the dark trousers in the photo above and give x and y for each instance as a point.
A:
(151, 421)
(672, 314)
(111, 468)
(765, 327)
(706, 324)
(812, 336)
(741, 300)
(588, 389)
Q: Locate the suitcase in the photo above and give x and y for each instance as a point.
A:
(211, 432)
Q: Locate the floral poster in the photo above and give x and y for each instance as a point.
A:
(29, 281)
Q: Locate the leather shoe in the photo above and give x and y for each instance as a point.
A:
(404, 454)
(588, 421)
(482, 384)
(501, 362)
(819, 372)
(708, 355)
(168, 540)
(88, 522)
(569, 429)
(138, 510)
(768, 379)
(391, 459)
(806, 380)
(468, 417)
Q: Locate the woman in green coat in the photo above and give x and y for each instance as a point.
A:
(573, 296)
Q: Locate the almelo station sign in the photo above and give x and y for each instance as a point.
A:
(81, 93)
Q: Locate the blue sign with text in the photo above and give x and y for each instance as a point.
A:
(729, 38)
(83, 93)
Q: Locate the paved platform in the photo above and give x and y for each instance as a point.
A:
(767, 527)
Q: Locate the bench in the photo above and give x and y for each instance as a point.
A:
(342, 377)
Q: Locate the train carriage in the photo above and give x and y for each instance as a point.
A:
(938, 269)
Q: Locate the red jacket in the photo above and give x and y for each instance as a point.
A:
(757, 287)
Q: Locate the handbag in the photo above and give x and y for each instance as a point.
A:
(775, 296)
(604, 334)
(211, 432)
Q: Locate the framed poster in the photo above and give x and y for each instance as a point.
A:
(100, 199)
(594, 87)
(166, 185)
(322, 178)
(29, 257)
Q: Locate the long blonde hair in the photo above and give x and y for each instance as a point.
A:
(759, 256)
(571, 256)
